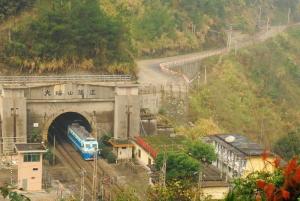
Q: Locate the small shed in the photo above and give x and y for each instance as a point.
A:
(122, 148)
(30, 165)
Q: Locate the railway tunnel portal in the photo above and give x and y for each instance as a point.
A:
(32, 105)
(60, 124)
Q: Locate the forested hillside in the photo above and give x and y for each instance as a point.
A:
(13, 7)
(108, 35)
(255, 91)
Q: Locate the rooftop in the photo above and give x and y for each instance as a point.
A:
(30, 147)
(240, 143)
(155, 143)
(165, 141)
(120, 143)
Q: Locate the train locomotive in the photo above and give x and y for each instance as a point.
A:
(82, 141)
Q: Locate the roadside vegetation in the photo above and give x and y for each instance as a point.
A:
(281, 185)
(106, 36)
(255, 91)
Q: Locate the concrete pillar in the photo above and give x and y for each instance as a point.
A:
(14, 118)
(126, 105)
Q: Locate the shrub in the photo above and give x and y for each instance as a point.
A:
(105, 151)
(111, 157)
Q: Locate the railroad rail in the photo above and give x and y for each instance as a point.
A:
(68, 78)
(72, 159)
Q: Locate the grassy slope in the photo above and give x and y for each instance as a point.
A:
(256, 91)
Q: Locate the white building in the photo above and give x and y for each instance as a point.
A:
(237, 155)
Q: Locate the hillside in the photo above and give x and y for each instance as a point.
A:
(256, 91)
(107, 35)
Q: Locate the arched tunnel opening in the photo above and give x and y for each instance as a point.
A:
(60, 124)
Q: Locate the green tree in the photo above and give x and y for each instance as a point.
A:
(201, 151)
(288, 146)
(7, 192)
(74, 34)
(13, 7)
(156, 21)
(179, 165)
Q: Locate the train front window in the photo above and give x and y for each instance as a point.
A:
(88, 146)
(95, 146)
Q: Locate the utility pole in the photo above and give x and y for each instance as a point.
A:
(205, 75)
(128, 112)
(11, 174)
(200, 178)
(289, 16)
(9, 34)
(259, 17)
(235, 48)
(82, 174)
(95, 189)
(268, 23)
(164, 169)
(14, 115)
(54, 149)
(229, 38)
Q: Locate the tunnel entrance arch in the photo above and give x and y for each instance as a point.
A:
(58, 123)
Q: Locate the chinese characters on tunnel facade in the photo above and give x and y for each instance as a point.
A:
(81, 92)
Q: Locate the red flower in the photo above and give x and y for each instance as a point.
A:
(277, 162)
(296, 177)
(269, 190)
(261, 184)
(285, 194)
(291, 167)
(265, 155)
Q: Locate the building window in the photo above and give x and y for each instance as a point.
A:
(149, 161)
(31, 157)
(35, 169)
(139, 153)
(123, 147)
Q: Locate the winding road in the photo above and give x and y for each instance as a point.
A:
(151, 73)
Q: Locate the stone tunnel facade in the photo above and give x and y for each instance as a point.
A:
(109, 108)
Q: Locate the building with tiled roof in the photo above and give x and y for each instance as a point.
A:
(238, 155)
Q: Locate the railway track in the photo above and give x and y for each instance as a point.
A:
(73, 160)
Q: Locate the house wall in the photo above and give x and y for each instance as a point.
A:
(256, 163)
(215, 193)
(26, 172)
(228, 161)
(144, 156)
(123, 153)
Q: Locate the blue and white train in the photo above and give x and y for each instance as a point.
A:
(83, 141)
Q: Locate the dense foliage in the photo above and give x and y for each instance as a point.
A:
(176, 190)
(8, 193)
(179, 165)
(13, 7)
(288, 145)
(185, 164)
(88, 35)
(282, 184)
(71, 34)
(126, 195)
(202, 151)
(255, 91)
(168, 26)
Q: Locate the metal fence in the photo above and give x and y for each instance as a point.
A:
(90, 78)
